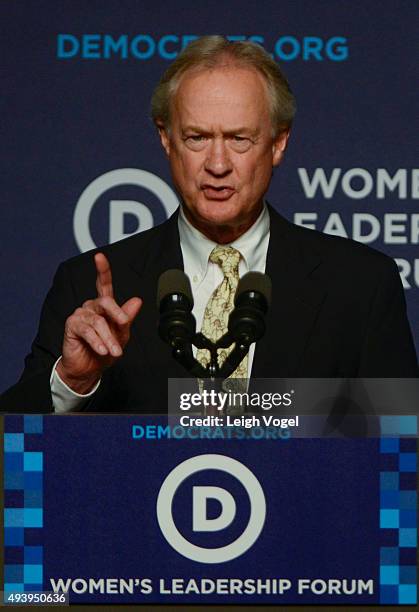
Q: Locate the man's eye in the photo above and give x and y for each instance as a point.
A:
(196, 142)
(241, 144)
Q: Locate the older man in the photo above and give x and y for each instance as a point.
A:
(223, 111)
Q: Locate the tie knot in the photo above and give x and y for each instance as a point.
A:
(227, 258)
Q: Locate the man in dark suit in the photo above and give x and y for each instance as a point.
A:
(223, 111)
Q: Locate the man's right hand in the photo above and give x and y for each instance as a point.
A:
(95, 335)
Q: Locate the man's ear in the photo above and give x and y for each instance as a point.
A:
(278, 147)
(164, 137)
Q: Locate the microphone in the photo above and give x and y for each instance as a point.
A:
(252, 300)
(177, 325)
(175, 302)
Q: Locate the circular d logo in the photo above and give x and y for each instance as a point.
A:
(118, 208)
(200, 521)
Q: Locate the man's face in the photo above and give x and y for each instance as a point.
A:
(221, 148)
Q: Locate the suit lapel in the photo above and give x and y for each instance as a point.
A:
(161, 253)
(296, 301)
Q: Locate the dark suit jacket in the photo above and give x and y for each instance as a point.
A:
(338, 310)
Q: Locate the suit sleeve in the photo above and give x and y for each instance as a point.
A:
(32, 393)
(388, 350)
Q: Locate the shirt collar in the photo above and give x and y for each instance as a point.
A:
(196, 247)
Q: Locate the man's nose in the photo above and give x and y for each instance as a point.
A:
(218, 160)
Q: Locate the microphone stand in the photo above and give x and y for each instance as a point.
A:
(232, 360)
(182, 352)
(212, 376)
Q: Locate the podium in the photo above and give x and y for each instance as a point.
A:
(123, 509)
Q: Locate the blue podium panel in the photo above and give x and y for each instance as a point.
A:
(117, 512)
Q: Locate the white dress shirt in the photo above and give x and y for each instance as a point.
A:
(205, 277)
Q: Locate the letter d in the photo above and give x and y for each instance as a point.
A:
(200, 522)
(119, 209)
(72, 44)
(137, 431)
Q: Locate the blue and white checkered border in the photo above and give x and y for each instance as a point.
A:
(23, 503)
(398, 510)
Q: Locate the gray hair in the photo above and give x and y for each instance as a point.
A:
(212, 51)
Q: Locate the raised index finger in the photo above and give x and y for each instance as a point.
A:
(104, 276)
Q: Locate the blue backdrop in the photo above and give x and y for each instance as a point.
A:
(75, 97)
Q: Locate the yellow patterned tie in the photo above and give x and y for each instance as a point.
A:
(219, 306)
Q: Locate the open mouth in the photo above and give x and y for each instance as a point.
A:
(222, 192)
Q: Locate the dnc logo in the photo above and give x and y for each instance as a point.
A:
(122, 209)
(201, 496)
